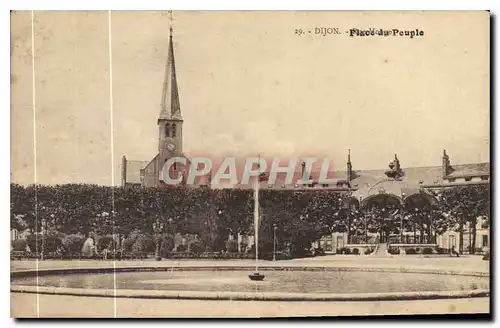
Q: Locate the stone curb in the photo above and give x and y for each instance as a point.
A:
(59, 271)
(249, 296)
(255, 296)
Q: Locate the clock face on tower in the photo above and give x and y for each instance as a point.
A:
(171, 146)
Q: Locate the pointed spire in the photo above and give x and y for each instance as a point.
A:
(350, 173)
(170, 106)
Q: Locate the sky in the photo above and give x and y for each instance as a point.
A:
(248, 84)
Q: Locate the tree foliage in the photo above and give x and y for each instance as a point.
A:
(465, 204)
(297, 217)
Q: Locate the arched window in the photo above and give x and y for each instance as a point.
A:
(167, 130)
(174, 130)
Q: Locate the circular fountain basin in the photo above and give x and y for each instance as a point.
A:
(322, 284)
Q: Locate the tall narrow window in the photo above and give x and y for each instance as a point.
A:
(167, 130)
(174, 131)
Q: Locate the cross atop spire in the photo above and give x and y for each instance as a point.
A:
(171, 22)
(170, 106)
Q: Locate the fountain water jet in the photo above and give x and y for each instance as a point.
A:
(256, 276)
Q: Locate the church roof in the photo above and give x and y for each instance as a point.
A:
(170, 105)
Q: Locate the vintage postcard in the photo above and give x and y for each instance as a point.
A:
(249, 164)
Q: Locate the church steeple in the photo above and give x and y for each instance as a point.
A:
(170, 119)
(170, 106)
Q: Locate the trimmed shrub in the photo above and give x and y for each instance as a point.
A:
(19, 245)
(368, 251)
(394, 250)
(285, 255)
(73, 243)
(486, 256)
(355, 251)
(50, 242)
(441, 250)
(106, 242)
(128, 243)
(347, 251)
(166, 246)
(232, 246)
(427, 250)
(182, 248)
(410, 251)
(319, 252)
(142, 245)
(196, 247)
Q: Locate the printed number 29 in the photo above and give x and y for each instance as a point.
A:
(299, 31)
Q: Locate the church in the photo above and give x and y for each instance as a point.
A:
(147, 173)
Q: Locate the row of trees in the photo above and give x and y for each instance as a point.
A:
(213, 215)
(464, 204)
(301, 217)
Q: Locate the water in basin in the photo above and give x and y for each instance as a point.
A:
(275, 281)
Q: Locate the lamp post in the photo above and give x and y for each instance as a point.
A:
(415, 226)
(430, 238)
(44, 228)
(348, 220)
(274, 242)
(401, 230)
(158, 229)
(366, 228)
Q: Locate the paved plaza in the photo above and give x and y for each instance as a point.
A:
(25, 305)
(465, 263)
(32, 305)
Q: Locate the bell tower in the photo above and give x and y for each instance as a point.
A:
(170, 119)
